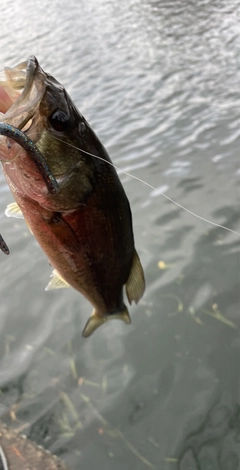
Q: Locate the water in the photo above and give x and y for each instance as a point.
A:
(159, 83)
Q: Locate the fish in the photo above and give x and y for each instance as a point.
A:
(19, 453)
(85, 227)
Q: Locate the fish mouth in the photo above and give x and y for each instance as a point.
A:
(21, 90)
(37, 105)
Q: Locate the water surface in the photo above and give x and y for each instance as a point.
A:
(159, 81)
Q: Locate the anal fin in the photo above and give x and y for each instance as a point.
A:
(56, 282)
(135, 285)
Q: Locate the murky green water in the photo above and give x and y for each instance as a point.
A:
(159, 81)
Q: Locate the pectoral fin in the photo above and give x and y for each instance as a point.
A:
(96, 320)
(56, 281)
(64, 233)
(135, 285)
(13, 210)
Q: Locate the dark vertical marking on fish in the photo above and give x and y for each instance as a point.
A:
(5, 249)
(27, 144)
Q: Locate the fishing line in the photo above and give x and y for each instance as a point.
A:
(215, 224)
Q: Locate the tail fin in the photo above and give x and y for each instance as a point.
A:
(96, 320)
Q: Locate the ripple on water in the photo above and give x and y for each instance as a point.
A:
(159, 83)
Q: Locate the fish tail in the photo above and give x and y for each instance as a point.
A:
(97, 320)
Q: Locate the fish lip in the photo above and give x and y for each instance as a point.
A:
(22, 111)
(26, 104)
(31, 68)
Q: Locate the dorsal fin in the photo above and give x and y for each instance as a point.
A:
(56, 281)
(64, 233)
(135, 285)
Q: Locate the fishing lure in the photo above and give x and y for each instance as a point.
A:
(27, 144)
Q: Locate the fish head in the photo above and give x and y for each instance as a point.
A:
(37, 104)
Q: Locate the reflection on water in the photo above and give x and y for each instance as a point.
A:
(159, 83)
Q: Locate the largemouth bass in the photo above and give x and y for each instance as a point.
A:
(85, 228)
(19, 453)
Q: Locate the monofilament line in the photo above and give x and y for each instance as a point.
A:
(215, 224)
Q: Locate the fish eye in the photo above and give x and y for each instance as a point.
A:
(59, 120)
